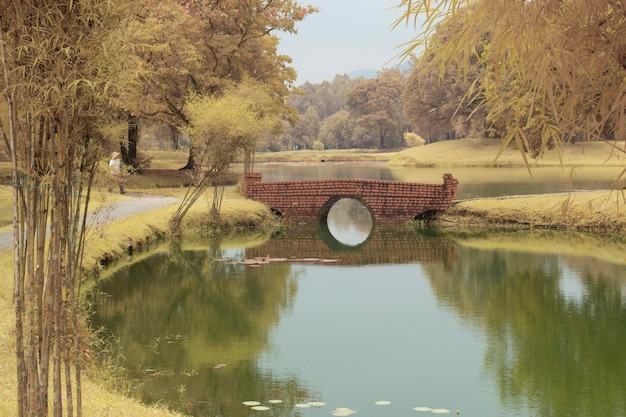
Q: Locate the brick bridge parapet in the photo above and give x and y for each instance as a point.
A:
(386, 200)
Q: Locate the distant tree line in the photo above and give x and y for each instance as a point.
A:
(369, 113)
(379, 112)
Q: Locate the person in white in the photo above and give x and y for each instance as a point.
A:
(115, 165)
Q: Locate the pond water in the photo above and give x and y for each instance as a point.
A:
(350, 317)
(473, 182)
(414, 319)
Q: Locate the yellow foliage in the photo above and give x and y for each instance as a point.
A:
(548, 75)
(413, 139)
(318, 146)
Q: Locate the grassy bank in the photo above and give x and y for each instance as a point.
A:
(595, 212)
(97, 400)
(108, 242)
(489, 152)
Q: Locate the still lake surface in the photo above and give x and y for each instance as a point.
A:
(346, 315)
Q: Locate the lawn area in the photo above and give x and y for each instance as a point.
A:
(599, 212)
(489, 152)
(178, 159)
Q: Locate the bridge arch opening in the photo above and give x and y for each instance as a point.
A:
(347, 219)
(426, 216)
(277, 212)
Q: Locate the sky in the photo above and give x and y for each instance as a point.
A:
(345, 36)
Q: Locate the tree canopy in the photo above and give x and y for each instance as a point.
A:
(444, 102)
(553, 70)
(377, 106)
(223, 128)
(204, 48)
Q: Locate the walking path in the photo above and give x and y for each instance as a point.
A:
(140, 203)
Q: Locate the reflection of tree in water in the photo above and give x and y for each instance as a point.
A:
(556, 355)
(192, 324)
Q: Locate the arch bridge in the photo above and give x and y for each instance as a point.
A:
(387, 201)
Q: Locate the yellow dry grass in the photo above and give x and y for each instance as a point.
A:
(334, 155)
(177, 159)
(489, 152)
(6, 210)
(549, 224)
(8, 405)
(602, 211)
(166, 159)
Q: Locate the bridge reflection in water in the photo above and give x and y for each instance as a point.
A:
(385, 245)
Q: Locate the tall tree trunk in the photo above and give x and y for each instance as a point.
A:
(128, 146)
(133, 138)
(191, 161)
(174, 135)
(18, 228)
(248, 161)
(51, 101)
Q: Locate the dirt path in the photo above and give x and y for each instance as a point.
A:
(140, 203)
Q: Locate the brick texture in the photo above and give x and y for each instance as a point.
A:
(387, 201)
(383, 246)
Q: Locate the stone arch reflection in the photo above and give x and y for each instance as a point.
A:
(348, 220)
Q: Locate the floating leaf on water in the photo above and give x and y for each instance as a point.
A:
(303, 405)
(316, 404)
(422, 408)
(260, 408)
(342, 412)
(382, 402)
(275, 401)
(440, 411)
(251, 403)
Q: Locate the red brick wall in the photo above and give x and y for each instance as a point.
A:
(387, 200)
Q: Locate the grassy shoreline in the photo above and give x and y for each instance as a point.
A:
(489, 153)
(107, 242)
(594, 212)
(601, 212)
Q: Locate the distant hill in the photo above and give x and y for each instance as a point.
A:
(370, 73)
(367, 73)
